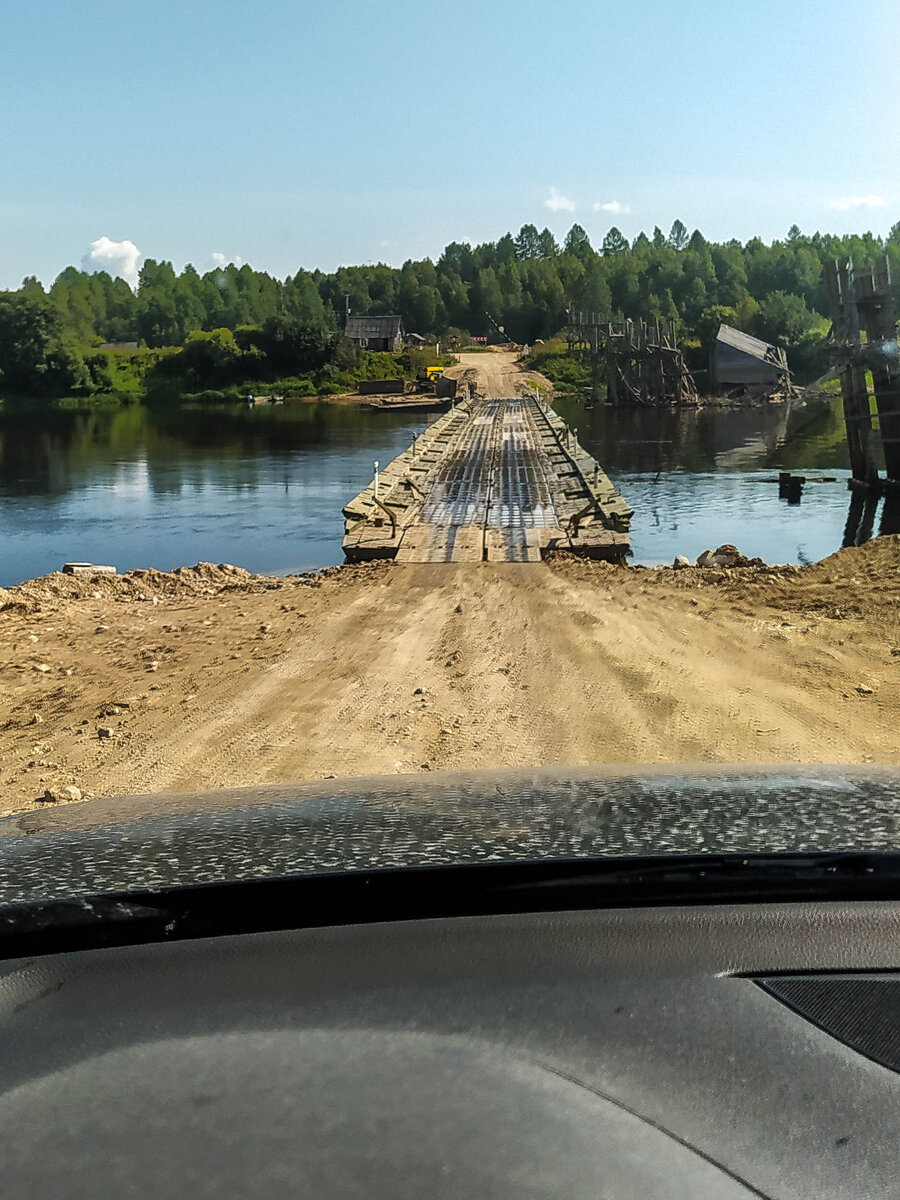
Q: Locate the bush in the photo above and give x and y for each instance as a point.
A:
(552, 359)
(231, 395)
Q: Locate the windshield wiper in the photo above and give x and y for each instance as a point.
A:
(420, 893)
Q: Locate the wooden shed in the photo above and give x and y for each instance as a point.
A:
(737, 359)
(376, 333)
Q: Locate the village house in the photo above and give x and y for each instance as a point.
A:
(376, 333)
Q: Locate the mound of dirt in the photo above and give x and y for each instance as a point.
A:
(148, 585)
(878, 559)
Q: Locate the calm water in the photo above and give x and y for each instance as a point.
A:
(263, 488)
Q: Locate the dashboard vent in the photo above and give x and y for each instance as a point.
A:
(862, 1011)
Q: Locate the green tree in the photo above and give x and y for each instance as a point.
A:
(526, 243)
(711, 318)
(578, 243)
(35, 358)
(678, 235)
(784, 319)
(294, 347)
(615, 243)
(210, 358)
(506, 249)
(548, 247)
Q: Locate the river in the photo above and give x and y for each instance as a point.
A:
(263, 487)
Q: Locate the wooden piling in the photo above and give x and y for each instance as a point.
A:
(846, 346)
(643, 362)
(876, 307)
(864, 339)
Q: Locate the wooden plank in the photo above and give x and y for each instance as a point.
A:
(535, 540)
(442, 543)
(854, 392)
(499, 546)
(414, 544)
(467, 543)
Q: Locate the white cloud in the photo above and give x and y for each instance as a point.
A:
(119, 258)
(846, 202)
(222, 260)
(557, 202)
(612, 206)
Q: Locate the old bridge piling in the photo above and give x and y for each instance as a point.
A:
(863, 345)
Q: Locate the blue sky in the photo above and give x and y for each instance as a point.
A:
(298, 134)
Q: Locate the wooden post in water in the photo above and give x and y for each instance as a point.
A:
(846, 345)
(595, 362)
(873, 300)
(643, 364)
(612, 383)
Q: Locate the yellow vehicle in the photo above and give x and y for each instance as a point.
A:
(434, 372)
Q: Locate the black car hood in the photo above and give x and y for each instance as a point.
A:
(159, 841)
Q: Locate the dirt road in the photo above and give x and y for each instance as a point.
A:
(231, 679)
(496, 373)
(210, 677)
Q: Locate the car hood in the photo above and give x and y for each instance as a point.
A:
(152, 841)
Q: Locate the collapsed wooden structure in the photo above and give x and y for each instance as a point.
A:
(862, 345)
(642, 363)
(741, 365)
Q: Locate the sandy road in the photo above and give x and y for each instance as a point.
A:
(387, 669)
(497, 373)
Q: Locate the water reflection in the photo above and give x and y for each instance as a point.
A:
(161, 487)
(890, 513)
(264, 487)
(697, 478)
(51, 452)
(778, 436)
(860, 518)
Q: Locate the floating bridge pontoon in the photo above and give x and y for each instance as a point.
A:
(500, 480)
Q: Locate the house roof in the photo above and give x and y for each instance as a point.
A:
(749, 345)
(374, 327)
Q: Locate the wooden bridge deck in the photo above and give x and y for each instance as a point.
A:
(499, 480)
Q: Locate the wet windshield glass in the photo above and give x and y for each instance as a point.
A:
(384, 396)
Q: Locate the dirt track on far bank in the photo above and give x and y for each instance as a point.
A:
(210, 678)
(496, 373)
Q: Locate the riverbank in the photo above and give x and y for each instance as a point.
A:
(162, 378)
(210, 677)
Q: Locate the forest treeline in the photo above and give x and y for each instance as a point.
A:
(234, 323)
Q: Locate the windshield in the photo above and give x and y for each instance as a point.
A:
(391, 396)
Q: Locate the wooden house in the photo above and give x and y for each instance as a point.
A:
(376, 333)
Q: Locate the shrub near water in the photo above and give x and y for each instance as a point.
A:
(552, 359)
